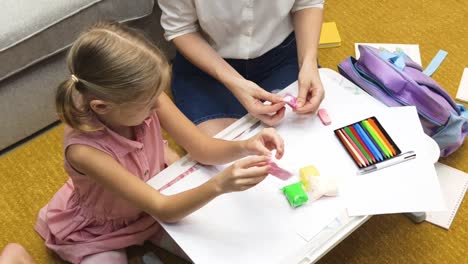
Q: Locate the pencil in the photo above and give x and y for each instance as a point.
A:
(350, 149)
(380, 152)
(361, 141)
(374, 135)
(379, 136)
(358, 144)
(373, 148)
(356, 149)
(387, 141)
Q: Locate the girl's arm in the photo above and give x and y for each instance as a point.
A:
(106, 171)
(307, 27)
(210, 150)
(195, 48)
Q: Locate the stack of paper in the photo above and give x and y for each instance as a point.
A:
(411, 186)
(454, 184)
(462, 93)
(329, 36)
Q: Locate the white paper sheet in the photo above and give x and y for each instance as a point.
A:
(411, 186)
(243, 220)
(261, 213)
(412, 50)
(315, 216)
(462, 93)
(311, 218)
(258, 225)
(454, 184)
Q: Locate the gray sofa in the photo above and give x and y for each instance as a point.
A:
(34, 38)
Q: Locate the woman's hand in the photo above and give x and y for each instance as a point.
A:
(252, 96)
(242, 174)
(311, 91)
(264, 142)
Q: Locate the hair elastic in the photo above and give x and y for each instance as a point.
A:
(74, 79)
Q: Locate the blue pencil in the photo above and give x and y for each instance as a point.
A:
(376, 145)
(368, 141)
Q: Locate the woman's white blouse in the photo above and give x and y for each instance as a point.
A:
(237, 29)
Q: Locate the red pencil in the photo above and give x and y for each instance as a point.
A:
(358, 151)
(356, 134)
(350, 149)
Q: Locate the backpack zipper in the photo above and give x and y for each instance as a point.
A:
(381, 87)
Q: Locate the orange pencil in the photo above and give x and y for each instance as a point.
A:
(376, 127)
(350, 149)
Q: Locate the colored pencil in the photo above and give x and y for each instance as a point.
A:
(381, 138)
(374, 135)
(357, 143)
(349, 148)
(387, 141)
(363, 144)
(365, 162)
(379, 150)
(368, 142)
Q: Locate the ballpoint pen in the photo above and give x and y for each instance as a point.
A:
(395, 160)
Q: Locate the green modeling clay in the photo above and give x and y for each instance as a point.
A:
(295, 194)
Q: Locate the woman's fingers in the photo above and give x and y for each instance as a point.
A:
(272, 120)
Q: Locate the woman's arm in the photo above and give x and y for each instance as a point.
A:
(106, 171)
(195, 48)
(210, 150)
(307, 26)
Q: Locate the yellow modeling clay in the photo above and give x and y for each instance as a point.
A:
(305, 174)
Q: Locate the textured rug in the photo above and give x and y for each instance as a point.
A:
(32, 173)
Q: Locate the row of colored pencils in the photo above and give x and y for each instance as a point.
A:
(367, 142)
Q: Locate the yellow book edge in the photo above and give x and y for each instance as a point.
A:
(329, 36)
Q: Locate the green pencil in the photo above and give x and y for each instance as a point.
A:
(358, 144)
(374, 135)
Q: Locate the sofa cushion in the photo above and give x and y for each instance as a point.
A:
(31, 31)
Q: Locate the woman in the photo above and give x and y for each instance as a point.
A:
(233, 54)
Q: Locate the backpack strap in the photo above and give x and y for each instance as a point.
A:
(435, 62)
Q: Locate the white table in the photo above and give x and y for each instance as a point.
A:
(254, 226)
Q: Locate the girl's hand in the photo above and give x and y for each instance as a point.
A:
(252, 96)
(311, 91)
(242, 174)
(264, 142)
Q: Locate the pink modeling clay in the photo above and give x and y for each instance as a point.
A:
(324, 117)
(279, 172)
(290, 100)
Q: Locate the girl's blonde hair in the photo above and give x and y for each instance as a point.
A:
(113, 63)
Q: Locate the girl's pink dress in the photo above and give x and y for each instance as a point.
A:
(83, 218)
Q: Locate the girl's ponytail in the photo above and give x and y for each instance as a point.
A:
(74, 116)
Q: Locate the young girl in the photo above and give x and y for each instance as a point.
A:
(113, 104)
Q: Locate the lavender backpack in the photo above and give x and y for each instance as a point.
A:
(396, 80)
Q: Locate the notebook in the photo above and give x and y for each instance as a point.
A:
(329, 36)
(453, 183)
(462, 93)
